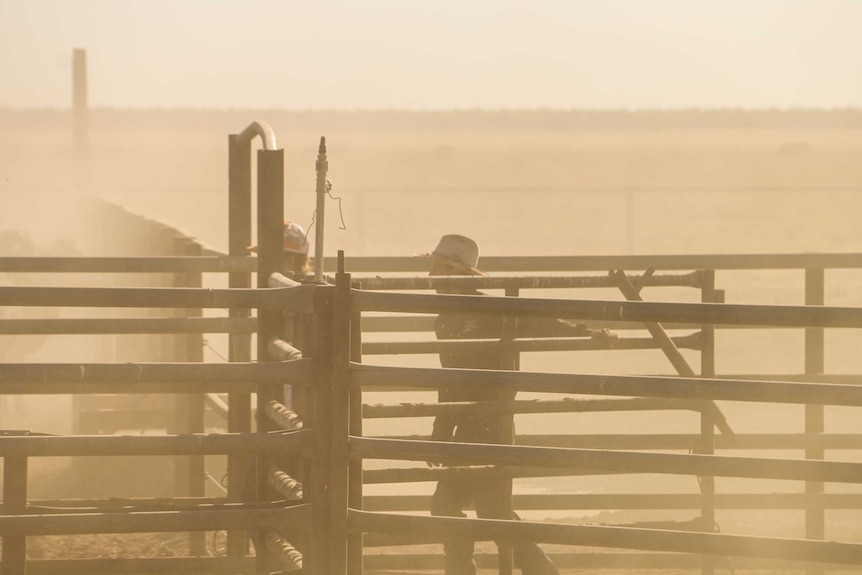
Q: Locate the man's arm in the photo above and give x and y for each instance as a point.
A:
(549, 327)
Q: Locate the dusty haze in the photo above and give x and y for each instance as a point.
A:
(520, 183)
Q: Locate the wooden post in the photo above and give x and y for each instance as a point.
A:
(815, 521)
(239, 345)
(340, 408)
(355, 486)
(80, 122)
(14, 503)
(321, 485)
(195, 403)
(707, 417)
(510, 360)
(270, 241)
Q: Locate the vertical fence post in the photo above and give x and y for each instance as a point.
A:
(510, 360)
(340, 384)
(321, 484)
(239, 345)
(14, 503)
(195, 403)
(815, 520)
(173, 347)
(270, 241)
(355, 485)
(707, 420)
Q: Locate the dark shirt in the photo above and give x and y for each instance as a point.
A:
(490, 427)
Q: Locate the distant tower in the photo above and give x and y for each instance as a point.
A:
(80, 125)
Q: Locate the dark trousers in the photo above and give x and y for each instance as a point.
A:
(491, 500)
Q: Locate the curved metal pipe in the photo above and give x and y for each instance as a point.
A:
(261, 129)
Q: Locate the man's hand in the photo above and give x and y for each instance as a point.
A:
(608, 338)
(439, 433)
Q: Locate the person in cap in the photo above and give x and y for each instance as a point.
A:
(459, 255)
(295, 264)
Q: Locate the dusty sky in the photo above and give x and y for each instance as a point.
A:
(344, 54)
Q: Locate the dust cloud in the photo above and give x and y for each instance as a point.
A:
(520, 183)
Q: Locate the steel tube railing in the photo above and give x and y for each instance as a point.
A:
(691, 341)
(607, 536)
(155, 521)
(576, 263)
(614, 385)
(63, 326)
(50, 378)
(518, 282)
(601, 460)
(702, 313)
(198, 443)
(139, 264)
(296, 299)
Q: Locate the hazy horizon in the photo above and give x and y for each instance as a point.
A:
(413, 56)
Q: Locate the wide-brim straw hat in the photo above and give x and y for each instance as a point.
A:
(458, 252)
(295, 240)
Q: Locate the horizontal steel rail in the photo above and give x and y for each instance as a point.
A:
(156, 521)
(615, 385)
(219, 262)
(601, 460)
(192, 444)
(840, 379)
(53, 378)
(141, 565)
(425, 323)
(692, 279)
(164, 264)
(580, 559)
(567, 405)
(683, 441)
(118, 504)
(580, 263)
(491, 472)
(640, 501)
(691, 341)
(438, 528)
(296, 299)
(702, 313)
(521, 501)
(88, 326)
(665, 441)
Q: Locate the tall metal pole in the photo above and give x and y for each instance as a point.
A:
(80, 124)
(322, 166)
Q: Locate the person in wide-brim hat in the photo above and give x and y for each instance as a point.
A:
(455, 255)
